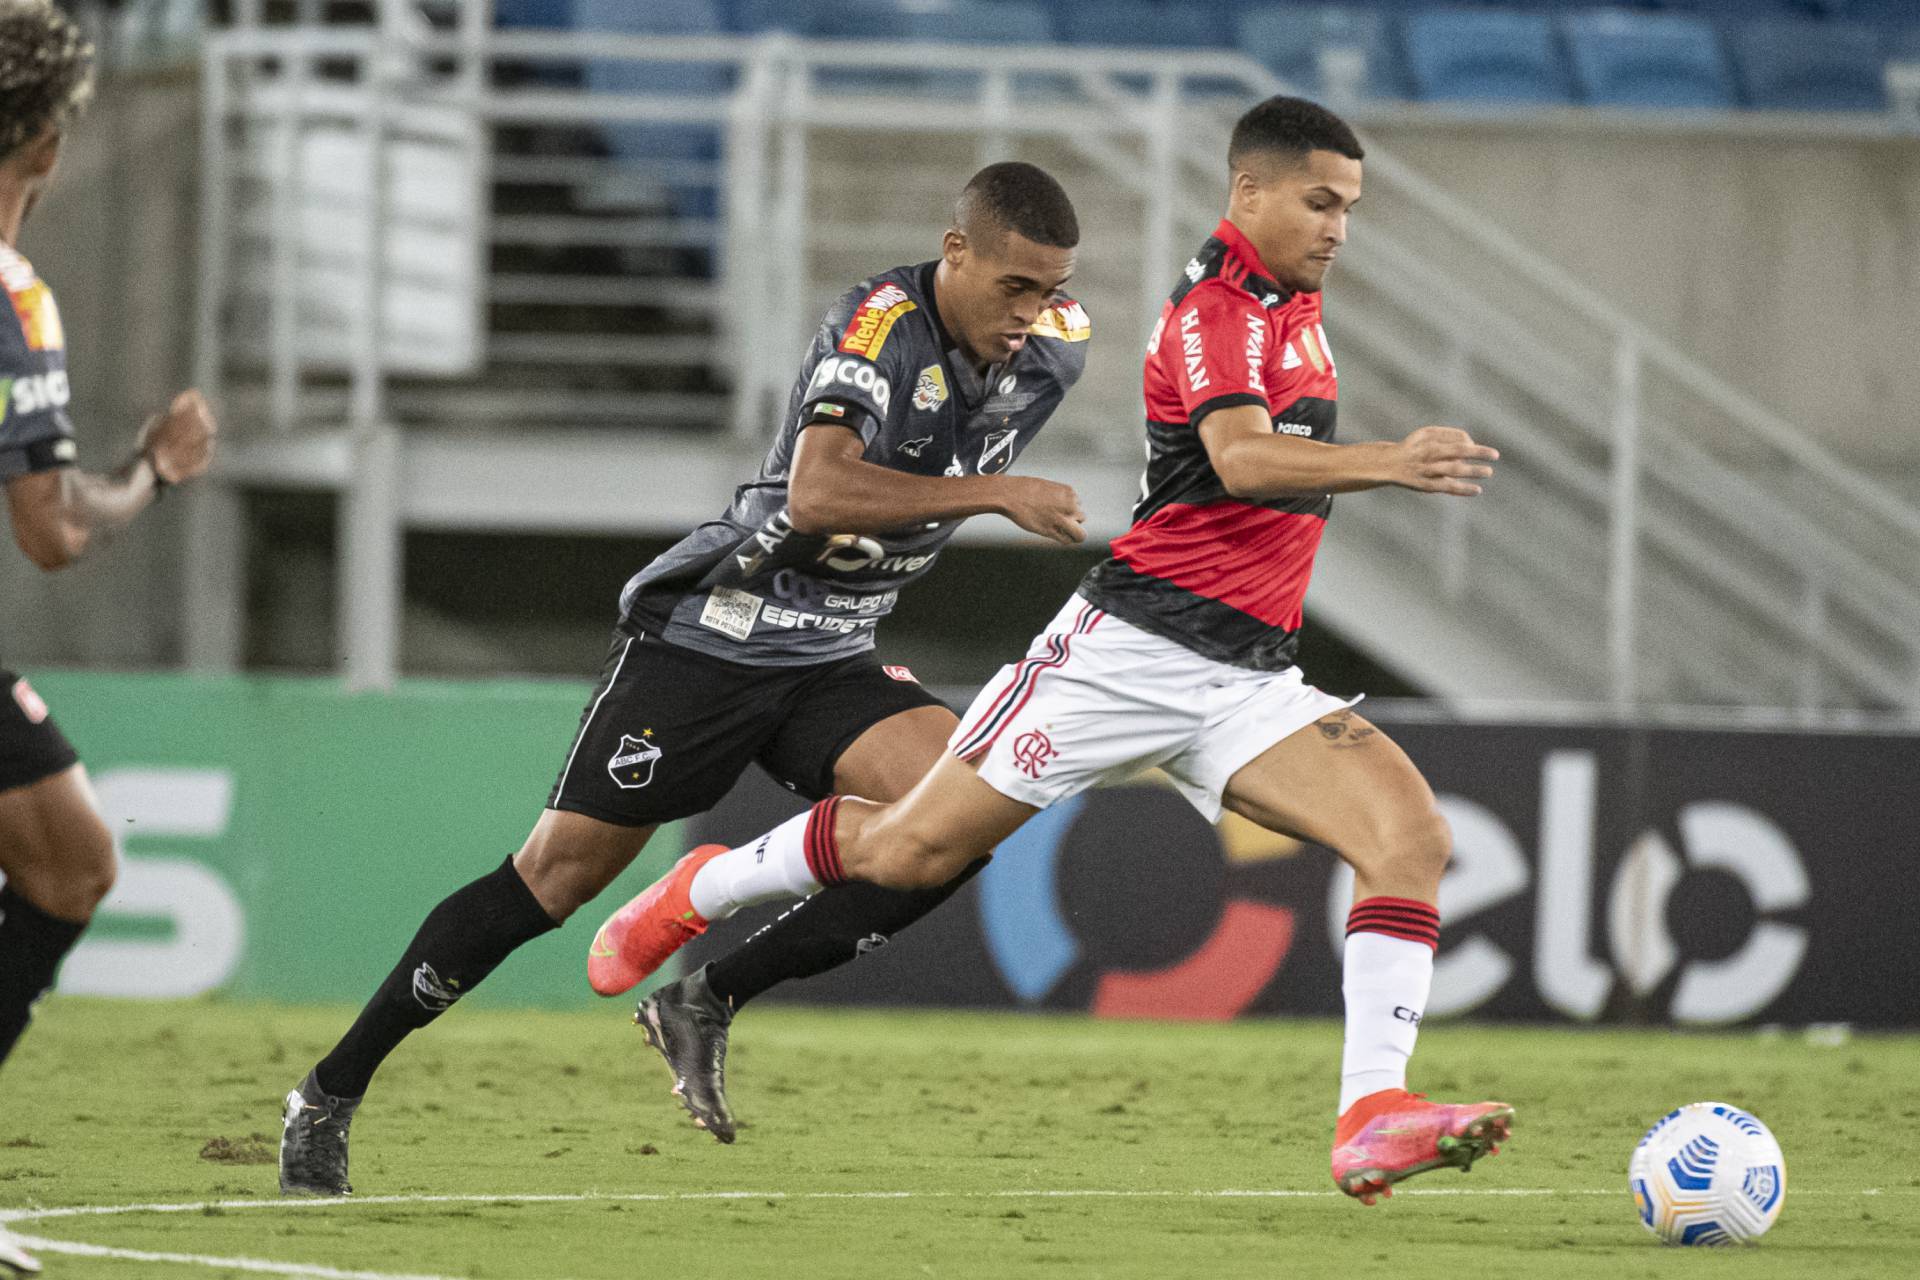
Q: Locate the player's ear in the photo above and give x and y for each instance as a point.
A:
(953, 247)
(41, 155)
(1246, 190)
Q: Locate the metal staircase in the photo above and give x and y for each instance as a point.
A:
(1654, 536)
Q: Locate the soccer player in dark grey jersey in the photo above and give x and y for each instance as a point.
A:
(751, 641)
(55, 851)
(880, 367)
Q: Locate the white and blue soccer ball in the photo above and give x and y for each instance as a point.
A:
(1706, 1174)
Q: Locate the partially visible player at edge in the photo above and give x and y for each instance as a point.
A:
(752, 641)
(55, 850)
(1178, 652)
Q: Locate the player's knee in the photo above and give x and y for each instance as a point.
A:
(1423, 845)
(561, 879)
(81, 875)
(1411, 847)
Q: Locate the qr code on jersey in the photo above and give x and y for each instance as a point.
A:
(731, 612)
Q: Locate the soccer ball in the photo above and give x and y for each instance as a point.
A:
(1708, 1174)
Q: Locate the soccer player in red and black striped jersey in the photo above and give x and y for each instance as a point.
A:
(1178, 652)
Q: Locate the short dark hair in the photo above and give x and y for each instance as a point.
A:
(46, 72)
(1290, 127)
(1014, 196)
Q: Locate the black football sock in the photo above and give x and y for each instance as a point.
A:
(32, 944)
(461, 941)
(824, 932)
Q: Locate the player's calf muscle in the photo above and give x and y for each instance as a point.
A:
(877, 846)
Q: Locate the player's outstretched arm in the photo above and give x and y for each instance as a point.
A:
(834, 490)
(1258, 464)
(59, 515)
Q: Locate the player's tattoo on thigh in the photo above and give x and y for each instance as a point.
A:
(1339, 730)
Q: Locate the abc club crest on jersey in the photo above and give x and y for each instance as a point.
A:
(633, 761)
(996, 452)
(874, 319)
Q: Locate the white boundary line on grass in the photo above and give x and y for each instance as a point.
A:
(315, 1271)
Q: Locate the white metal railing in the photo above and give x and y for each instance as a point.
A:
(1710, 518)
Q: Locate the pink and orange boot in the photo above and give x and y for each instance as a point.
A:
(1390, 1136)
(641, 936)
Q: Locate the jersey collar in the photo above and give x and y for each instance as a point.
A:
(926, 270)
(1238, 246)
(973, 387)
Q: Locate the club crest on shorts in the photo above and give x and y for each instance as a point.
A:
(1033, 751)
(632, 763)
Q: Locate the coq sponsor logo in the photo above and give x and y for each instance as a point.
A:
(858, 374)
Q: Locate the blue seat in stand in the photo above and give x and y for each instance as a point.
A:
(1810, 66)
(1481, 55)
(1626, 59)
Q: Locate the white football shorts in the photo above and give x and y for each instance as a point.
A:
(1097, 700)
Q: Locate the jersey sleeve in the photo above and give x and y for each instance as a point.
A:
(1066, 328)
(1219, 339)
(35, 432)
(859, 363)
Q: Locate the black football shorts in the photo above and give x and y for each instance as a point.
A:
(31, 745)
(667, 731)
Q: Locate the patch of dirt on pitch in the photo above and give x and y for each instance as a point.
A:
(253, 1149)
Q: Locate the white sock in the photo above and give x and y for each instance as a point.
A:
(763, 870)
(1385, 984)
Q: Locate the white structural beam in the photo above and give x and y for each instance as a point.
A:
(596, 482)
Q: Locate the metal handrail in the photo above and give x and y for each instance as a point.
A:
(774, 103)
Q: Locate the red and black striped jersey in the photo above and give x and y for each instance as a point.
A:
(1223, 576)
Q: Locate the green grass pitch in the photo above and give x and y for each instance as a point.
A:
(984, 1135)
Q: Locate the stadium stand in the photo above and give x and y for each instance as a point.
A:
(963, 21)
(972, 21)
(1630, 59)
(1481, 55)
(649, 144)
(1304, 44)
(754, 16)
(1724, 9)
(1891, 13)
(1789, 65)
(1822, 55)
(536, 15)
(1139, 23)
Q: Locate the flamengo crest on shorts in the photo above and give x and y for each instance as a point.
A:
(1033, 751)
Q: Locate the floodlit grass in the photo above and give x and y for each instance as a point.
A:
(981, 1120)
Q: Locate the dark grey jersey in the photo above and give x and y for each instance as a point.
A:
(748, 589)
(35, 434)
